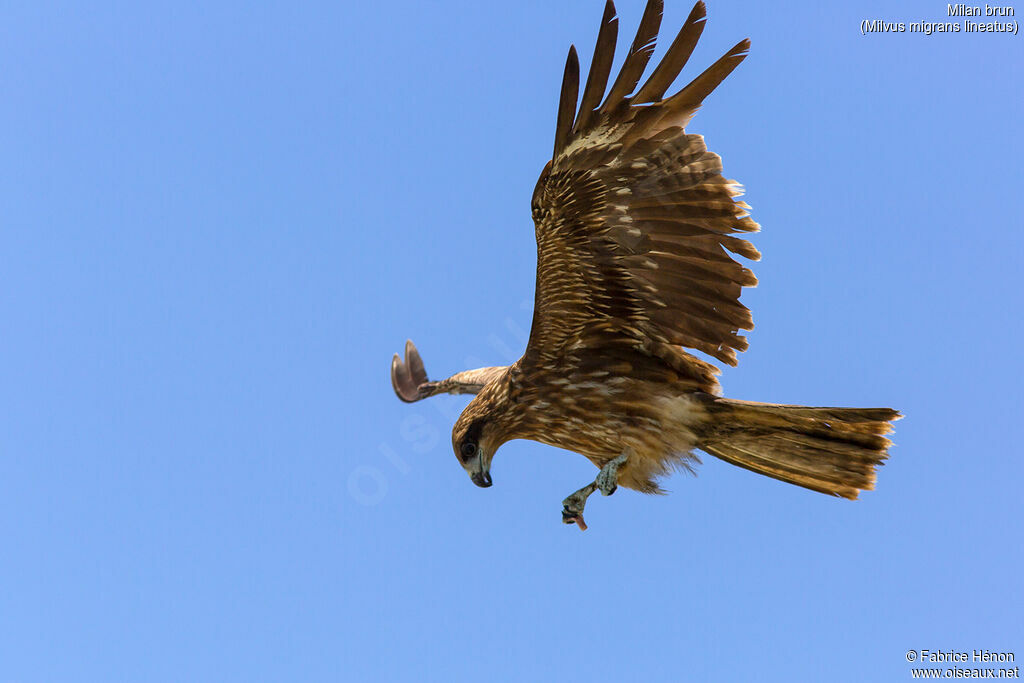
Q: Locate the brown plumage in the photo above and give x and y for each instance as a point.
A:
(635, 228)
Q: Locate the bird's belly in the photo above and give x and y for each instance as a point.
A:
(602, 421)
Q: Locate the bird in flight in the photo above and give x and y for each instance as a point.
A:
(635, 229)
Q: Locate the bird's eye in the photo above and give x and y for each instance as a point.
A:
(468, 449)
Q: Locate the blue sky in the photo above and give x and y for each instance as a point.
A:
(220, 221)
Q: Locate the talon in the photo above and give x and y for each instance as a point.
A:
(572, 507)
(570, 518)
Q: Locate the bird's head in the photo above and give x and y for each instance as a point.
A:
(475, 440)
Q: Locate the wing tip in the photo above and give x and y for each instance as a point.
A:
(740, 49)
(407, 376)
(567, 101)
(698, 14)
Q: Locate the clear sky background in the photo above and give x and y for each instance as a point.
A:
(218, 221)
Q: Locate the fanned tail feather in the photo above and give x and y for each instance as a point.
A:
(831, 450)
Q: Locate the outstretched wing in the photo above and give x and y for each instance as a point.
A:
(409, 378)
(634, 219)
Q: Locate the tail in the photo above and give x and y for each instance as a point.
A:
(831, 450)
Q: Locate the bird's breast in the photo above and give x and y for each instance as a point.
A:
(602, 418)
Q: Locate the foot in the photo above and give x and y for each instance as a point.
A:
(607, 478)
(606, 482)
(572, 507)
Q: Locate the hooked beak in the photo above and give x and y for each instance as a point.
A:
(481, 479)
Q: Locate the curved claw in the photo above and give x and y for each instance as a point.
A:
(569, 517)
(409, 378)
